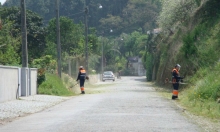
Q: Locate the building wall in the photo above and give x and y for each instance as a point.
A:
(33, 82)
(10, 83)
(9, 78)
(138, 68)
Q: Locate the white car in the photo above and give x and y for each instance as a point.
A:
(108, 75)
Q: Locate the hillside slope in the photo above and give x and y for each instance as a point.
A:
(195, 45)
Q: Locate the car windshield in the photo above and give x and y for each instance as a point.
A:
(107, 73)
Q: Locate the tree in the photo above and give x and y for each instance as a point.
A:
(35, 31)
(141, 43)
(71, 37)
(93, 41)
(120, 15)
(137, 14)
(9, 45)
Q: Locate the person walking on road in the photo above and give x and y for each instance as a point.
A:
(176, 80)
(119, 74)
(82, 77)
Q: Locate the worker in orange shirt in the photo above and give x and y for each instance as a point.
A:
(176, 80)
(82, 77)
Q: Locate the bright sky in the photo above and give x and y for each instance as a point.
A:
(2, 1)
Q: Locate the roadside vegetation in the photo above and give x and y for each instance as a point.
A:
(202, 96)
(53, 85)
(190, 37)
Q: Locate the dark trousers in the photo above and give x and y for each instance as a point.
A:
(176, 86)
(81, 82)
(175, 90)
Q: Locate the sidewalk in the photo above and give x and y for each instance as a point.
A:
(27, 105)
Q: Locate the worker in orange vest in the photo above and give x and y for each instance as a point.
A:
(82, 77)
(176, 80)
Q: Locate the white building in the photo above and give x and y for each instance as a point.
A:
(137, 66)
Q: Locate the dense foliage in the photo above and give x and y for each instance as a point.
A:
(36, 33)
(72, 39)
(175, 13)
(128, 20)
(119, 15)
(9, 45)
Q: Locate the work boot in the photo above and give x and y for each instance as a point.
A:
(173, 97)
(83, 92)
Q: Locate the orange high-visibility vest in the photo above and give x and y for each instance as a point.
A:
(177, 72)
(83, 71)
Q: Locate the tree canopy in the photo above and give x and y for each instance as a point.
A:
(35, 30)
(119, 15)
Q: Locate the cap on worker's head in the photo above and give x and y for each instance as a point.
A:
(81, 67)
(178, 65)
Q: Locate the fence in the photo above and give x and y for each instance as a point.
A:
(10, 83)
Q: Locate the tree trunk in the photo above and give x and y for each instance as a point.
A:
(69, 63)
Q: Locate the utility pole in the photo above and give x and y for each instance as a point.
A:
(86, 35)
(24, 35)
(24, 69)
(58, 39)
(102, 55)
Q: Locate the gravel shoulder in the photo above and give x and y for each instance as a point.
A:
(11, 110)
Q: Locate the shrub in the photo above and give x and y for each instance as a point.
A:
(208, 87)
(40, 76)
(45, 63)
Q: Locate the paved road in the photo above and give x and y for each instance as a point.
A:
(130, 105)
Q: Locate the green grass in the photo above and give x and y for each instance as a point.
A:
(201, 96)
(205, 108)
(54, 86)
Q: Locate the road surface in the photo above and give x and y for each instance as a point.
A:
(126, 105)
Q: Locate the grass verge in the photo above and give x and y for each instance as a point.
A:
(203, 94)
(198, 106)
(53, 86)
